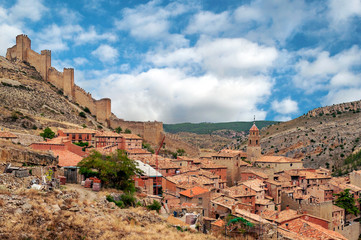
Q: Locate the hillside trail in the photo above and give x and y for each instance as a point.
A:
(84, 193)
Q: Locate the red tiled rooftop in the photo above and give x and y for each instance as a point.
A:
(130, 136)
(193, 192)
(67, 158)
(219, 223)
(80, 130)
(138, 151)
(254, 128)
(7, 135)
(107, 134)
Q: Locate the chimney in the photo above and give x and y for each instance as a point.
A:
(288, 207)
(191, 192)
(276, 215)
(287, 225)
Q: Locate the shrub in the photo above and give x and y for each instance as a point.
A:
(82, 114)
(127, 131)
(47, 133)
(118, 130)
(87, 110)
(154, 206)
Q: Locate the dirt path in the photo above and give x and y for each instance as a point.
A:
(84, 193)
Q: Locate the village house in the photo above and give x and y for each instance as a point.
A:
(108, 138)
(131, 141)
(251, 174)
(322, 193)
(196, 195)
(276, 164)
(77, 135)
(254, 186)
(150, 180)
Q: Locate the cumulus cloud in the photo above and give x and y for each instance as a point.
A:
(286, 106)
(341, 11)
(32, 10)
(173, 96)
(206, 22)
(91, 36)
(8, 35)
(151, 21)
(316, 70)
(106, 53)
(80, 61)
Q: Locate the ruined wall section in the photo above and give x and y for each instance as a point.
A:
(151, 132)
(103, 110)
(68, 82)
(55, 77)
(85, 99)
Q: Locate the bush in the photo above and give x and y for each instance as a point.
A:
(118, 130)
(47, 133)
(87, 110)
(128, 199)
(127, 131)
(154, 206)
(82, 114)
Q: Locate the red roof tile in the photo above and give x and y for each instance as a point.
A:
(193, 191)
(254, 128)
(7, 135)
(67, 158)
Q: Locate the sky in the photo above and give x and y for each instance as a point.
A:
(199, 61)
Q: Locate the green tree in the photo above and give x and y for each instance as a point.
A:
(47, 133)
(346, 201)
(127, 131)
(118, 130)
(115, 170)
(82, 114)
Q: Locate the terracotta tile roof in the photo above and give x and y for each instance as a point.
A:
(237, 152)
(193, 192)
(260, 174)
(138, 151)
(254, 128)
(238, 191)
(210, 165)
(254, 218)
(277, 159)
(225, 201)
(229, 154)
(80, 130)
(218, 223)
(7, 135)
(130, 136)
(285, 233)
(107, 134)
(311, 230)
(67, 158)
(255, 184)
(280, 217)
(264, 202)
(55, 141)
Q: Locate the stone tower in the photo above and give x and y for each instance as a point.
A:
(254, 145)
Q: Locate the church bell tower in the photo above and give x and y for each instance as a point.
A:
(254, 145)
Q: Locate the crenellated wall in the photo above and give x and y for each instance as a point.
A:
(63, 80)
(150, 131)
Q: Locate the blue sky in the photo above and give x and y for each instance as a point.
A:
(199, 61)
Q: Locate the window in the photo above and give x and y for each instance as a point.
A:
(200, 200)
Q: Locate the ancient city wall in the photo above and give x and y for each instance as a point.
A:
(151, 131)
(55, 77)
(85, 99)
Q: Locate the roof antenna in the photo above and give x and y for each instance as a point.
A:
(254, 119)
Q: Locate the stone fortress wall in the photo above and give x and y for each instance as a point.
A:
(150, 131)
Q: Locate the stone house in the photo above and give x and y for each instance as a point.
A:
(77, 135)
(278, 163)
(150, 180)
(197, 195)
(7, 136)
(321, 192)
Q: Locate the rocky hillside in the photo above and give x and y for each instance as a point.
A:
(27, 102)
(323, 137)
(75, 213)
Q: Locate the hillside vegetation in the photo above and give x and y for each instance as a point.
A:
(208, 128)
(324, 137)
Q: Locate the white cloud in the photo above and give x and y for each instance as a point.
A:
(92, 36)
(341, 11)
(209, 23)
(80, 61)
(32, 10)
(106, 53)
(315, 71)
(173, 96)
(150, 21)
(286, 106)
(69, 16)
(282, 118)
(8, 36)
(222, 57)
(342, 95)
